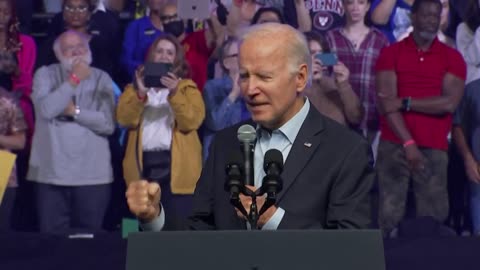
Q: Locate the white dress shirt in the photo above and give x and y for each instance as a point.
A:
(157, 121)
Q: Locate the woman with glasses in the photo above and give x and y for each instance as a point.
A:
(224, 104)
(162, 121)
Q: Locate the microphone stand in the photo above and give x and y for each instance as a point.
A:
(253, 215)
(271, 185)
(270, 188)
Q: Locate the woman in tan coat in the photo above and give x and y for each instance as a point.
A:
(163, 144)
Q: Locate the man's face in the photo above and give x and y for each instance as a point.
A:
(73, 46)
(171, 22)
(426, 20)
(76, 13)
(169, 14)
(269, 87)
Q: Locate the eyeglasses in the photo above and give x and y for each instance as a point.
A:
(72, 48)
(168, 17)
(76, 9)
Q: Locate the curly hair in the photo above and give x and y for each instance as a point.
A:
(180, 65)
(13, 43)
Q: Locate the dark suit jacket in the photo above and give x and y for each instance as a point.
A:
(326, 185)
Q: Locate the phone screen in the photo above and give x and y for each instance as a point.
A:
(327, 59)
(153, 72)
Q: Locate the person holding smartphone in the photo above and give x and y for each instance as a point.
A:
(224, 102)
(331, 95)
(358, 46)
(163, 144)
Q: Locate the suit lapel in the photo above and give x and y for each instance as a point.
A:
(305, 144)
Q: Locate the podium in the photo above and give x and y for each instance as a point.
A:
(256, 250)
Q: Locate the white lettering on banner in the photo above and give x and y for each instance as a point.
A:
(325, 5)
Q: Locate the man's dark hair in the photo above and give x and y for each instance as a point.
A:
(418, 3)
(319, 38)
(262, 10)
(472, 17)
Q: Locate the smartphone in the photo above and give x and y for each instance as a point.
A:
(327, 59)
(153, 72)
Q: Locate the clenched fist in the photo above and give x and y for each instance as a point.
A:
(81, 69)
(143, 200)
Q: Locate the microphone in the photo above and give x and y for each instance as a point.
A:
(272, 183)
(273, 167)
(234, 183)
(247, 135)
(234, 171)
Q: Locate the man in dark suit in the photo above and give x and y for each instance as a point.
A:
(327, 174)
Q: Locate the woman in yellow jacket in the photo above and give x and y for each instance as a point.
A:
(163, 144)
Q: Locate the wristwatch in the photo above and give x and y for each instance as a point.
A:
(406, 102)
(76, 113)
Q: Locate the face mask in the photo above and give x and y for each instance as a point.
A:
(175, 28)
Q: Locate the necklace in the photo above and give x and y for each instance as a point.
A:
(356, 40)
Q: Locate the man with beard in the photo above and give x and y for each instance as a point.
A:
(70, 159)
(420, 82)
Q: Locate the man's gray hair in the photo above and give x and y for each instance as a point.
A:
(57, 43)
(298, 52)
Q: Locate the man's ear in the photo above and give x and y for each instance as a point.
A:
(302, 78)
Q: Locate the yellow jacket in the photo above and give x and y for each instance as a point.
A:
(189, 112)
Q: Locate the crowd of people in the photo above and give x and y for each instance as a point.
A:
(398, 100)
